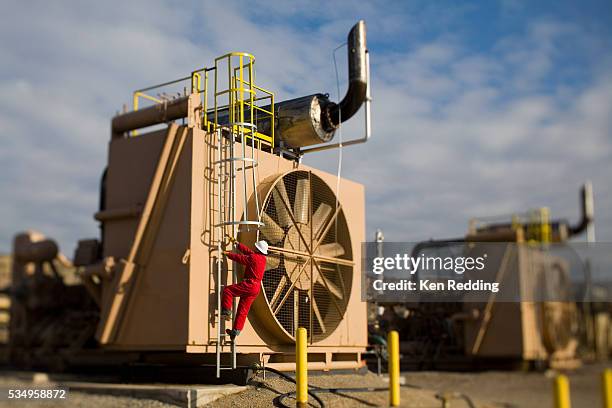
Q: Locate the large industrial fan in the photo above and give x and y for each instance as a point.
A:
(309, 272)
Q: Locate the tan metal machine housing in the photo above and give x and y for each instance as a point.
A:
(159, 294)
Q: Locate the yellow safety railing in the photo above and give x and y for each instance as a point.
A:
(135, 102)
(196, 87)
(245, 103)
(269, 113)
(196, 82)
(243, 98)
(539, 229)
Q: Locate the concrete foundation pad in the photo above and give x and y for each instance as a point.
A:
(190, 396)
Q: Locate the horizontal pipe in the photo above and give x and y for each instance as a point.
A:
(117, 214)
(158, 113)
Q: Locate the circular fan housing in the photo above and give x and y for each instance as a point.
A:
(309, 270)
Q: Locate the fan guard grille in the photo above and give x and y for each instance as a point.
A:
(310, 270)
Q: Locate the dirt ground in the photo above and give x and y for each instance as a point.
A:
(487, 389)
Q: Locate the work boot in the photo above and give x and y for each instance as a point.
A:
(226, 315)
(232, 333)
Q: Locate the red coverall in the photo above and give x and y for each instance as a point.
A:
(248, 289)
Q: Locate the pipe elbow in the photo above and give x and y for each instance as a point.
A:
(358, 80)
(586, 210)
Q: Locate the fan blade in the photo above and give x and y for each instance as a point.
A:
(272, 262)
(294, 276)
(317, 314)
(331, 286)
(291, 263)
(271, 230)
(281, 201)
(279, 289)
(319, 218)
(332, 250)
(302, 198)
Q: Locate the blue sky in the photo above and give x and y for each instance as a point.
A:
(480, 108)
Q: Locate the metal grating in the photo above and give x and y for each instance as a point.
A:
(309, 273)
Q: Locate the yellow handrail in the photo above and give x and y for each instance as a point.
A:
(246, 104)
(135, 99)
(243, 97)
(196, 82)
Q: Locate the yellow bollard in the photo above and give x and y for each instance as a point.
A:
(394, 368)
(301, 367)
(606, 382)
(562, 392)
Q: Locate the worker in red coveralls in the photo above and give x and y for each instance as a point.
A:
(248, 289)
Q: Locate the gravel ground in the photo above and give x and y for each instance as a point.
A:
(490, 389)
(263, 394)
(487, 389)
(518, 389)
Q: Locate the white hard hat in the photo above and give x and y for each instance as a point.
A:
(262, 246)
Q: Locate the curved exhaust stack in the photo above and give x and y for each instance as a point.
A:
(358, 80)
(586, 210)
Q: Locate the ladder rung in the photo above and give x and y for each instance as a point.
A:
(222, 344)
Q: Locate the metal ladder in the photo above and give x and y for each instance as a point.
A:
(240, 125)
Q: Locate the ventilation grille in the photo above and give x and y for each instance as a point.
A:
(309, 272)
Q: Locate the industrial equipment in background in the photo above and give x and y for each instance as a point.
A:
(464, 334)
(222, 158)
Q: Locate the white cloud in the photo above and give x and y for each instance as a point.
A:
(458, 132)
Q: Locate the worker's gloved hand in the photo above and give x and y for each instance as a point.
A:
(231, 239)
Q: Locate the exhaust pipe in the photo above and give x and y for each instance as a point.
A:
(586, 210)
(358, 80)
(305, 121)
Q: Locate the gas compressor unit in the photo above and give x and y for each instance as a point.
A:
(221, 159)
(533, 322)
